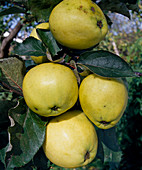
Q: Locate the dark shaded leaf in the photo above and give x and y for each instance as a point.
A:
(42, 8)
(100, 151)
(4, 121)
(49, 41)
(27, 135)
(114, 6)
(105, 64)
(129, 1)
(12, 10)
(109, 138)
(13, 70)
(30, 47)
(40, 160)
(133, 7)
(3, 155)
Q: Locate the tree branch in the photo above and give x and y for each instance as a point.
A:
(4, 49)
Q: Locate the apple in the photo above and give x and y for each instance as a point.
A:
(78, 24)
(50, 89)
(103, 100)
(71, 140)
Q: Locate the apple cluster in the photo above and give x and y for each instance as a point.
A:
(51, 90)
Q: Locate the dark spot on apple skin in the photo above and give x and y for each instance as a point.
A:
(35, 108)
(87, 156)
(81, 8)
(92, 9)
(104, 105)
(99, 24)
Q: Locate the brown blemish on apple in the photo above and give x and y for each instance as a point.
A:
(99, 24)
(81, 8)
(93, 9)
(87, 156)
(85, 11)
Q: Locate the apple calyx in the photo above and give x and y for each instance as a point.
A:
(104, 123)
(54, 108)
(87, 156)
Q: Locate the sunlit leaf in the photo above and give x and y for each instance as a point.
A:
(13, 70)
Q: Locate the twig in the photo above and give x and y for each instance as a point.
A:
(11, 89)
(6, 42)
(115, 48)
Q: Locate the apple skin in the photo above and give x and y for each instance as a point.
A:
(50, 89)
(103, 100)
(71, 140)
(78, 24)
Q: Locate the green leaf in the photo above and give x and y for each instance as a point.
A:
(27, 135)
(4, 121)
(100, 151)
(30, 47)
(42, 8)
(105, 64)
(12, 10)
(40, 160)
(3, 154)
(109, 138)
(13, 70)
(113, 158)
(0, 73)
(49, 41)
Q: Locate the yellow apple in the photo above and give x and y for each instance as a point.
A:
(50, 89)
(103, 100)
(71, 140)
(78, 24)
(39, 59)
